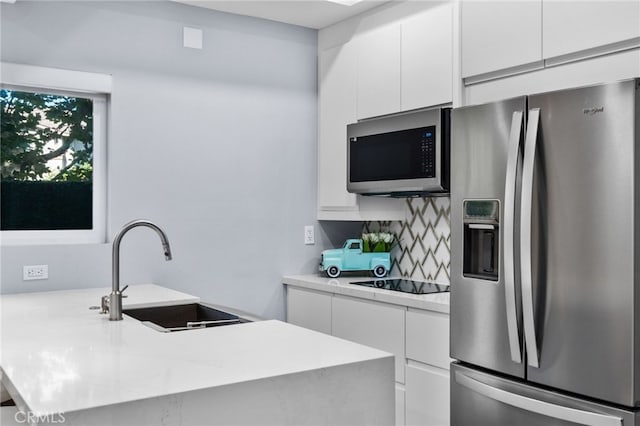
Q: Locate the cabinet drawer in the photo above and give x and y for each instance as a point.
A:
(378, 325)
(428, 337)
(309, 309)
(427, 396)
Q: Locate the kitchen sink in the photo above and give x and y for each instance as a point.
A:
(183, 317)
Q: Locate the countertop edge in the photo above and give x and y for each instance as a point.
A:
(341, 286)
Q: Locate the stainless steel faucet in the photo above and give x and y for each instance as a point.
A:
(115, 298)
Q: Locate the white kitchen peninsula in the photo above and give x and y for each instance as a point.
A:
(61, 358)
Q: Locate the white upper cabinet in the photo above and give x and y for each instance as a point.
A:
(379, 72)
(398, 59)
(572, 26)
(337, 82)
(508, 37)
(427, 58)
(336, 108)
(500, 35)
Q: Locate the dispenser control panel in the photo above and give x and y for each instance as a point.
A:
(481, 210)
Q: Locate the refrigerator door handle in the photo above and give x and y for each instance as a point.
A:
(536, 406)
(526, 204)
(509, 240)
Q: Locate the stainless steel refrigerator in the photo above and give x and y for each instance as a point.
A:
(545, 266)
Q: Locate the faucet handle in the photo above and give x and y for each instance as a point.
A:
(123, 289)
(104, 304)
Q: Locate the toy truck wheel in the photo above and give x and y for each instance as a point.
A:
(379, 271)
(333, 271)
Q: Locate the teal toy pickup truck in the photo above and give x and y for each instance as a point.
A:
(351, 258)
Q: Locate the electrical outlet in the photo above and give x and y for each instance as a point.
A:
(35, 272)
(309, 235)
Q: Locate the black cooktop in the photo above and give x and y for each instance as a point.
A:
(404, 286)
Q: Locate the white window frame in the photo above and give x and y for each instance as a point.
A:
(90, 85)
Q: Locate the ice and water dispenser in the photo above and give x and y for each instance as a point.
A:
(481, 239)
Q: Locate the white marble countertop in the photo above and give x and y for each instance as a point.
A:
(60, 356)
(438, 302)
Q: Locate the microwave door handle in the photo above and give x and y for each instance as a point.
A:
(509, 241)
(526, 205)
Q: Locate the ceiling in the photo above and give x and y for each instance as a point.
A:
(307, 13)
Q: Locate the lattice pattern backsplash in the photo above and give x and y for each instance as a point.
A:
(424, 240)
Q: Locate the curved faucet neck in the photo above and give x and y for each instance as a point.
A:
(115, 281)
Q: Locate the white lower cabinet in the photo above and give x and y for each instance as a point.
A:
(309, 309)
(418, 338)
(379, 325)
(400, 395)
(428, 337)
(426, 396)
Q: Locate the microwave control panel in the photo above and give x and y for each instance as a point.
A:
(428, 151)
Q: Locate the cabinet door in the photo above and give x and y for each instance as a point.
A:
(428, 337)
(378, 325)
(400, 393)
(500, 35)
(571, 26)
(427, 396)
(379, 72)
(337, 108)
(427, 58)
(309, 309)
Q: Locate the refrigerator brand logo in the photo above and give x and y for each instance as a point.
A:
(593, 111)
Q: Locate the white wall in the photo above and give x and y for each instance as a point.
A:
(217, 146)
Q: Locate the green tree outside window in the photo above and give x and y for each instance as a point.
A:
(46, 161)
(37, 128)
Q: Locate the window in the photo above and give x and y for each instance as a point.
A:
(52, 156)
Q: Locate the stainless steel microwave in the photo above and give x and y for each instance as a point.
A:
(400, 155)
